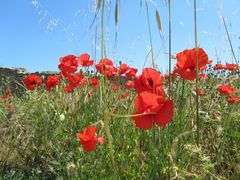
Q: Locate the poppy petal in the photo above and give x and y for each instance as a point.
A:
(144, 122)
(165, 115)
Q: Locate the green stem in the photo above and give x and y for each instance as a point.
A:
(170, 47)
(197, 70)
(229, 40)
(181, 101)
(142, 142)
(225, 125)
(150, 36)
(153, 152)
(109, 137)
(102, 34)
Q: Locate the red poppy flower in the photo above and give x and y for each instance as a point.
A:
(9, 107)
(32, 81)
(203, 68)
(68, 65)
(131, 73)
(125, 95)
(231, 67)
(68, 89)
(155, 109)
(94, 82)
(6, 96)
(123, 68)
(233, 99)
(186, 63)
(200, 92)
(9, 91)
(105, 67)
(218, 67)
(150, 80)
(226, 90)
(84, 60)
(129, 84)
(77, 80)
(202, 76)
(115, 88)
(52, 82)
(88, 138)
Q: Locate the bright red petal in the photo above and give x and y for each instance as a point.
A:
(144, 122)
(165, 115)
(90, 131)
(90, 145)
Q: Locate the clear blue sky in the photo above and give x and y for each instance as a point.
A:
(34, 34)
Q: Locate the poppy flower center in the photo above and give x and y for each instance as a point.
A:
(150, 82)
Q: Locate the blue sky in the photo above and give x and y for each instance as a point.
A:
(34, 34)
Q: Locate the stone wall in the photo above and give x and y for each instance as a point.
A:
(13, 78)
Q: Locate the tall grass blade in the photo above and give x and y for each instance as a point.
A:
(159, 23)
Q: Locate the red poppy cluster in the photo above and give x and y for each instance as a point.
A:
(229, 67)
(186, 63)
(228, 90)
(106, 67)
(6, 95)
(150, 104)
(69, 66)
(89, 139)
(6, 98)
